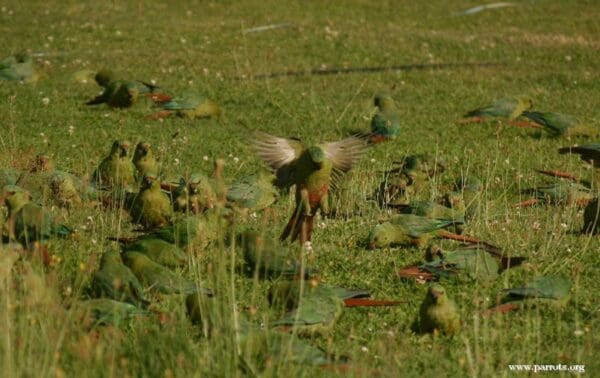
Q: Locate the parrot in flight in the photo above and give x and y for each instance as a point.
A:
(314, 170)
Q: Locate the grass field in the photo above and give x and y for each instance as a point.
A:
(547, 50)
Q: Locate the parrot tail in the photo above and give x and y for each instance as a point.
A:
(453, 236)
(471, 118)
(299, 227)
(160, 115)
(367, 302)
(501, 309)
(528, 203)
(525, 124)
(96, 101)
(413, 272)
(560, 174)
(159, 98)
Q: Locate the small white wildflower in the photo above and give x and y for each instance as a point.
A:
(118, 33)
(205, 158)
(205, 71)
(536, 225)
(578, 332)
(94, 241)
(364, 349)
(563, 225)
(182, 40)
(373, 160)
(253, 215)
(236, 159)
(190, 82)
(68, 291)
(230, 155)
(106, 115)
(568, 58)
(176, 161)
(71, 129)
(45, 101)
(50, 38)
(308, 246)
(321, 225)
(152, 81)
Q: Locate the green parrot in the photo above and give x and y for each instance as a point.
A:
(116, 281)
(385, 124)
(254, 193)
(8, 176)
(157, 278)
(286, 294)
(315, 314)
(410, 229)
(314, 170)
(197, 230)
(117, 94)
(438, 313)
(509, 108)
(466, 197)
(189, 105)
(160, 251)
(151, 207)
(591, 217)
(550, 290)
(269, 259)
(18, 67)
(259, 346)
(116, 170)
(195, 195)
(561, 125)
(28, 222)
(559, 193)
(477, 264)
(144, 160)
(36, 179)
(433, 210)
(105, 311)
(589, 153)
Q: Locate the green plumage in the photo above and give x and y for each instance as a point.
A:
(313, 170)
(29, 222)
(18, 67)
(269, 259)
(562, 193)
(116, 170)
(254, 193)
(433, 210)
(116, 281)
(509, 108)
(552, 290)
(561, 125)
(406, 229)
(160, 251)
(106, 311)
(144, 161)
(157, 278)
(151, 208)
(438, 313)
(192, 105)
(195, 195)
(477, 264)
(385, 123)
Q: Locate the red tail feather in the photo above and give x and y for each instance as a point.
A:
(528, 203)
(557, 173)
(477, 119)
(413, 272)
(160, 115)
(501, 309)
(366, 302)
(453, 236)
(159, 98)
(300, 227)
(525, 124)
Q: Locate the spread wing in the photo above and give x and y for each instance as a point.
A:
(344, 154)
(275, 151)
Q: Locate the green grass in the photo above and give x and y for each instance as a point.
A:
(547, 50)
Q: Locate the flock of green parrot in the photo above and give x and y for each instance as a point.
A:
(178, 218)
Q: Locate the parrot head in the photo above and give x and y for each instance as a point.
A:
(149, 180)
(383, 100)
(436, 294)
(42, 163)
(194, 182)
(317, 155)
(526, 102)
(381, 236)
(15, 197)
(110, 256)
(142, 149)
(103, 77)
